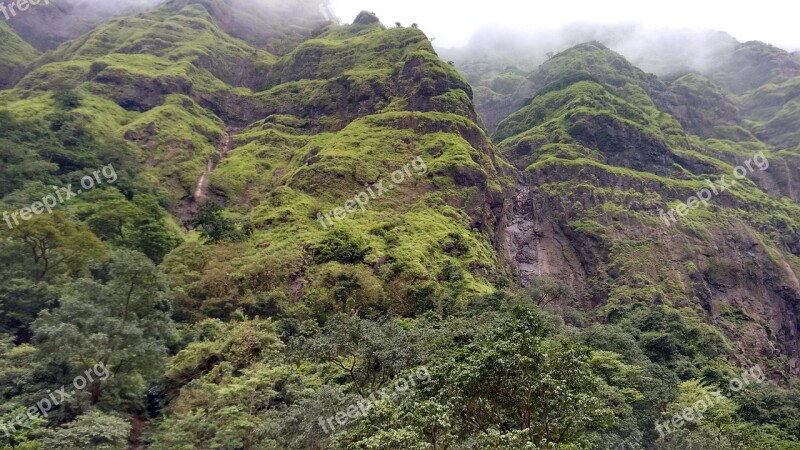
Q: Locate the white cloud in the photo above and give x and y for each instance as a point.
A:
(452, 22)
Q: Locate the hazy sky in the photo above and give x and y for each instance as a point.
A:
(452, 22)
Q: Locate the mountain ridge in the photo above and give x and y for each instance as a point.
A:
(304, 213)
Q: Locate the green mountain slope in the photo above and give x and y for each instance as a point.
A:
(603, 164)
(280, 139)
(46, 25)
(292, 233)
(16, 54)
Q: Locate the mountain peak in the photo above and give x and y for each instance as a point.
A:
(590, 60)
(366, 18)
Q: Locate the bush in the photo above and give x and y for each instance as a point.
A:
(67, 98)
(340, 246)
(215, 227)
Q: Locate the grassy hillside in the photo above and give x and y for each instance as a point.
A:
(16, 54)
(290, 233)
(607, 165)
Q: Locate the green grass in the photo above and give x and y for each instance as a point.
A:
(15, 54)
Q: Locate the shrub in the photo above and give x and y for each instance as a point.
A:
(340, 246)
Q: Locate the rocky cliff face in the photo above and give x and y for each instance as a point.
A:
(605, 151)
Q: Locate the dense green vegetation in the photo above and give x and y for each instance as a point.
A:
(205, 302)
(16, 54)
(607, 149)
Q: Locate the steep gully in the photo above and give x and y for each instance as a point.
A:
(201, 192)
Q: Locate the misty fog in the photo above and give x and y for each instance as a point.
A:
(663, 51)
(504, 32)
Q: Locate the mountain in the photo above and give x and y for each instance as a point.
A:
(47, 25)
(247, 225)
(16, 54)
(603, 161)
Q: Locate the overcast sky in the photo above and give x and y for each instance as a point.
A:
(452, 22)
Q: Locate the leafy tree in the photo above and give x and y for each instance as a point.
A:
(18, 164)
(767, 403)
(94, 430)
(347, 289)
(456, 245)
(300, 426)
(214, 226)
(21, 299)
(24, 380)
(340, 246)
(75, 147)
(544, 290)
(614, 339)
(241, 344)
(53, 240)
(67, 98)
(225, 409)
(20, 437)
(518, 376)
(714, 423)
(620, 389)
(423, 297)
(121, 320)
(138, 224)
(110, 219)
(237, 393)
(369, 353)
(149, 233)
(676, 338)
(515, 388)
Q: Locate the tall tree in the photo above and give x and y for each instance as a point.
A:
(516, 388)
(54, 241)
(121, 321)
(214, 226)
